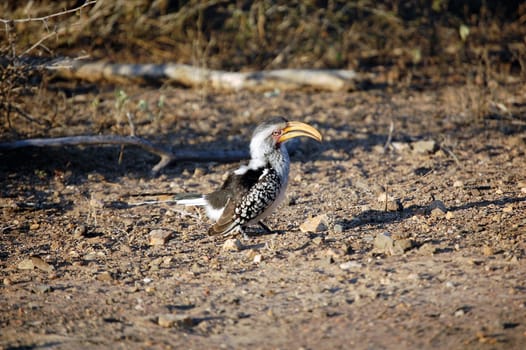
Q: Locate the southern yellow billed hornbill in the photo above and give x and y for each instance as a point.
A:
(253, 191)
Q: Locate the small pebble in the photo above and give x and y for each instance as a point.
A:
(317, 240)
(160, 236)
(105, 276)
(427, 249)
(348, 265)
(389, 203)
(198, 172)
(458, 183)
(26, 264)
(400, 146)
(251, 253)
(401, 246)
(80, 231)
(96, 203)
(171, 320)
(315, 224)
(35, 261)
(383, 242)
(487, 250)
(508, 209)
(166, 320)
(90, 256)
(42, 288)
(424, 146)
(41, 264)
(232, 245)
(459, 313)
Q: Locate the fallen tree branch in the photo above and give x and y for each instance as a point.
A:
(283, 79)
(166, 156)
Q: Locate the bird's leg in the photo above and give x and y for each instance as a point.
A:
(244, 233)
(264, 227)
(238, 229)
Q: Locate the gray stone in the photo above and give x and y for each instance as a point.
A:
(384, 243)
(338, 228)
(424, 146)
(42, 288)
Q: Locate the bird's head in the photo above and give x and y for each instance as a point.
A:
(269, 136)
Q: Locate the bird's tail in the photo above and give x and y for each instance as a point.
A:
(190, 199)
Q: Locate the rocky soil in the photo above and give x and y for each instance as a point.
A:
(405, 228)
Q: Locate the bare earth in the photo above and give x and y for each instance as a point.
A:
(78, 271)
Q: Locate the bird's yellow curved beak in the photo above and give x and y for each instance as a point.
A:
(295, 129)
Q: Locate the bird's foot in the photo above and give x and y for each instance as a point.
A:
(265, 227)
(244, 234)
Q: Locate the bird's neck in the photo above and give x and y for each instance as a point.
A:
(277, 159)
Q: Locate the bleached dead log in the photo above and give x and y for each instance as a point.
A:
(166, 156)
(283, 79)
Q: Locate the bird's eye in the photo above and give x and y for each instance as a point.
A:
(276, 133)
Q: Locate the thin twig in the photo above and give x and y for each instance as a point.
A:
(169, 201)
(453, 155)
(386, 197)
(137, 204)
(129, 115)
(49, 35)
(132, 134)
(45, 18)
(8, 227)
(150, 194)
(185, 213)
(29, 116)
(389, 137)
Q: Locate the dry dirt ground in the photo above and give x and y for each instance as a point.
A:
(443, 267)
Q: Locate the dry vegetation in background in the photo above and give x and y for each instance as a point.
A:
(267, 34)
(395, 44)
